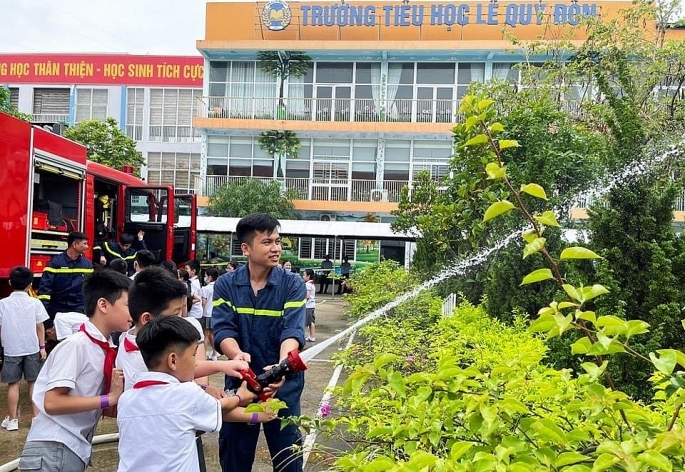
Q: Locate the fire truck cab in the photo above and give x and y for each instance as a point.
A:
(48, 188)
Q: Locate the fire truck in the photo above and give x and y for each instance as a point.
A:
(48, 188)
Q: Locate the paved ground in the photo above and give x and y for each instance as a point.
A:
(330, 320)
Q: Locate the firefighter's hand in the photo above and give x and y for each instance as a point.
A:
(273, 388)
(141, 235)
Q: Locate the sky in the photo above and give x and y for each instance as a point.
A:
(162, 27)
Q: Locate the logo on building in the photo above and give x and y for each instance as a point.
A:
(276, 15)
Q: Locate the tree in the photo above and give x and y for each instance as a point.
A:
(107, 144)
(280, 145)
(283, 64)
(240, 198)
(7, 107)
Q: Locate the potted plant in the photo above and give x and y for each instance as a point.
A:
(281, 145)
(281, 65)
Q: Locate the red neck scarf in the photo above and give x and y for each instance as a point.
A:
(129, 346)
(148, 383)
(110, 357)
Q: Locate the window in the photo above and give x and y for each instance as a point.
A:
(91, 104)
(238, 156)
(242, 90)
(334, 73)
(171, 115)
(134, 113)
(435, 74)
(51, 104)
(14, 97)
(173, 168)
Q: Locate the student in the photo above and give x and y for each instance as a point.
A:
(310, 306)
(78, 381)
(118, 265)
(211, 275)
(258, 316)
(193, 269)
(143, 259)
(160, 416)
(23, 337)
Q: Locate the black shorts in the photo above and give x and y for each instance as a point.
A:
(309, 316)
(206, 322)
(14, 367)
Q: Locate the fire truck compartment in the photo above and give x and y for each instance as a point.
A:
(59, 197)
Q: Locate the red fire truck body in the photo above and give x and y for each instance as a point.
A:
(48, 188)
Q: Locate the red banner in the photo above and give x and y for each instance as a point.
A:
(100, 69)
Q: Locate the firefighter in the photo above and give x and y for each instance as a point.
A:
(60, 287)
(124, 249)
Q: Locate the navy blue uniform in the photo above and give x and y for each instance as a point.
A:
(112, 250)
(259, 324)
(61, 285)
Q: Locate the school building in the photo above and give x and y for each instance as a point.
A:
(379, 100)
(153, 98)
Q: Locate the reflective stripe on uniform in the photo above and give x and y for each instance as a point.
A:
(66, 270)
(258, 311)
(43, 297)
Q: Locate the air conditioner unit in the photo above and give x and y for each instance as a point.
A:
(326, 217)
(378, 195)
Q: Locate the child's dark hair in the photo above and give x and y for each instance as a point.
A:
(170, 266)
(119, 265)
(184, 275)
(154, 288)
(163, 334)
(106, 284)
(309, 273)
(126, 238)
(20, 277)
(145, 258)
(254, 223)
(212, 272)
(194, 265)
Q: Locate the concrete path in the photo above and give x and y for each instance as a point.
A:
(330, 320)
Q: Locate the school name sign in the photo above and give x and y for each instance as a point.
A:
(448, 14)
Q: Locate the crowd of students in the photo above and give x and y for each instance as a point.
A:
(156, 382)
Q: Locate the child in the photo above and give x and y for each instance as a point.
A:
(211, 275)
(310, 318)
(157, 294)
(159, 417)
(78, 381)
(23, 336)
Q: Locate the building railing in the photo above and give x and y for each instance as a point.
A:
(355, 190)
(49, 118)
(331, 109)
(322, 189)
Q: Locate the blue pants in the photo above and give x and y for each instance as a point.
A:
(238, 441)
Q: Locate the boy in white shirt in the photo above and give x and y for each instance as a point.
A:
(159, 417)
(310, 307)
(211, 275)
(193, 268)
(78, 381)
(23, 338)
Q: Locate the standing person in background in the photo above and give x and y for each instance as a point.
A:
(345, 269)
(211, 275)
(193, 269)
(310, 307)
(258, 317)
(61, 285)
(287, 265)
(231, 266)
(23, 336)
(326, 266)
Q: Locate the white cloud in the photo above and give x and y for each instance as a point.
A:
(123, 26)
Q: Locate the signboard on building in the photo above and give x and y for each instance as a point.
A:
(96, 69)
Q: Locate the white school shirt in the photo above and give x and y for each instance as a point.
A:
(157, 424)
(76, 363)
(19, 315)
(311, 290)
(195, 289)
(68, 323)
(208, 293)
(132, 363)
